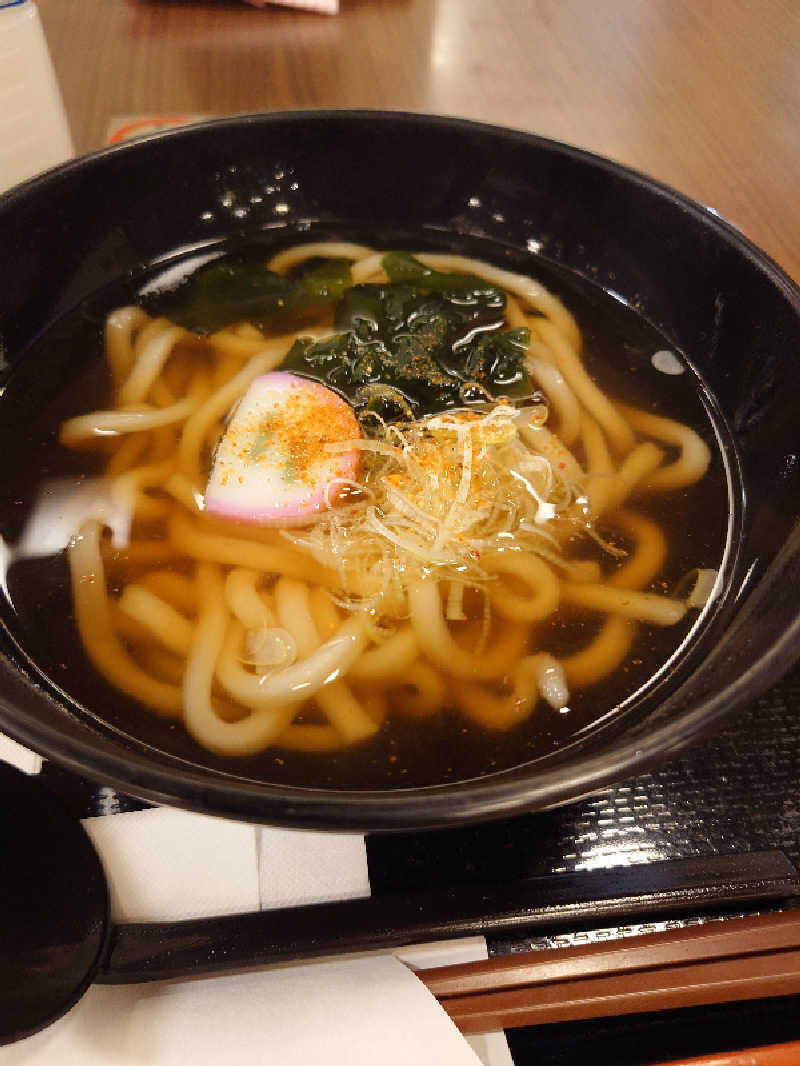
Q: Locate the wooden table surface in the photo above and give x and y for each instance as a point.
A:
(702, 94)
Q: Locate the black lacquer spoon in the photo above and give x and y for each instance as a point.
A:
(56, 935)
(55, 909)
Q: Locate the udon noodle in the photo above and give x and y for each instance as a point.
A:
(427, 583)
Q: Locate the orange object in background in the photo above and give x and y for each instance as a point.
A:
(128, 127)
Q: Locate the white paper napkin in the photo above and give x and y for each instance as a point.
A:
(305, 867)
(162, 865)
(166, 865)
(354, 1012)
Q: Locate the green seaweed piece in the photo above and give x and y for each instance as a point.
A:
(241, 289)
(402, 267)
(433, 346)
(224, 292)
(496, 361)
(320, 356)
(321, 284)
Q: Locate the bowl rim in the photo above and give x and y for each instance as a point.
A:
(705, 212)
(436, 806)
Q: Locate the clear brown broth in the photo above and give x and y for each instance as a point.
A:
(63, 374)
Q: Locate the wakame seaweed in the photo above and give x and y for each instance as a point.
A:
(240, 288)
(424, 341)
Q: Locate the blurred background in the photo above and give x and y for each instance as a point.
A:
(705, 97)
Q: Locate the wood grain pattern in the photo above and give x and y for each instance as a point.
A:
(705, 97)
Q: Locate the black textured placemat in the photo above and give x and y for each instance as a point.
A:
(738, 790)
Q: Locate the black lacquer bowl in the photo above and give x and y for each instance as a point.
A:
(443, 182)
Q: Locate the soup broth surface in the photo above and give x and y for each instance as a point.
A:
(65, 374)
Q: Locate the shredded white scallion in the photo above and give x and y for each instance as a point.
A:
(436, 494)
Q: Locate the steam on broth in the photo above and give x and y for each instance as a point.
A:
(498, 562)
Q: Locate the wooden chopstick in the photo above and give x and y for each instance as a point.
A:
(722, 961)
(694, 943)
(747, 977)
